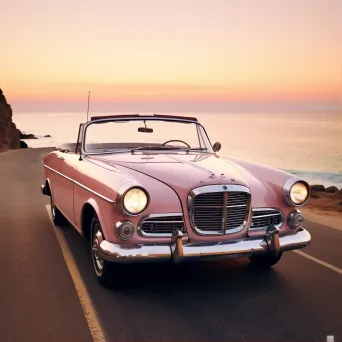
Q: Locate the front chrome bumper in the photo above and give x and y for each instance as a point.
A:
(178, 249)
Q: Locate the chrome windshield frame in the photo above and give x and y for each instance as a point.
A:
(139, 118)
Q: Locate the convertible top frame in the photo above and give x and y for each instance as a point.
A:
(160, 116)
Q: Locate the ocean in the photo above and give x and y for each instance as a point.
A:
(305, 144)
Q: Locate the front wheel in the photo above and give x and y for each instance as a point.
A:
(264, 261)
(102, 268)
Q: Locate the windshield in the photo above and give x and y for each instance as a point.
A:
(125, 135)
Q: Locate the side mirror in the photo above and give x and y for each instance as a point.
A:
(217, 147)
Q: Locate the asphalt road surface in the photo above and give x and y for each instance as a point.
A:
(300, 299)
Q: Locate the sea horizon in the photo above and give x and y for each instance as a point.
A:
(303, 144)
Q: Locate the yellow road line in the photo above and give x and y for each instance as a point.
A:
(323, 263)
(90, 314)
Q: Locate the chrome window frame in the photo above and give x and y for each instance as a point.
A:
(226, 188)
(140, 118)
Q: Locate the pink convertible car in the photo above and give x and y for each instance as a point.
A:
(147, 188)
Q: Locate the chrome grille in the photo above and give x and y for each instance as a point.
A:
(161, 225)
(220, 212)
(263, 217)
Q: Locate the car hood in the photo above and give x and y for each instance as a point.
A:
(185, 171)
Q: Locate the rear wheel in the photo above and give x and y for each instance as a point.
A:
(103, 269)
(264, 261)
(57, 217)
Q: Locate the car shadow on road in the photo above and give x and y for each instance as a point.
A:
(208, 301)
(224, 293)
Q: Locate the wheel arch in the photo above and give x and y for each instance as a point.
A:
(48, 187)
(89, 209)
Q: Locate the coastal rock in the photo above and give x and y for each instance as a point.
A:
(318, 188)
(331, 189)
(47, 136)
(9, 134)
(27, 136)
(23, 144)
(15, 136)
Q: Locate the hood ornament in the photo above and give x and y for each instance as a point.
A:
(221, 177)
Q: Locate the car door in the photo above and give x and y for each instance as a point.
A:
(68, 167)
(64, 165)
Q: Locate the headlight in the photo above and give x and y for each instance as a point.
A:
(296, 192)
(135, 201)
(299, 193)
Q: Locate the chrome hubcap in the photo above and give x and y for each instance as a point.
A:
(97, 239)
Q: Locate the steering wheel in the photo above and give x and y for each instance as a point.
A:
(183, 142)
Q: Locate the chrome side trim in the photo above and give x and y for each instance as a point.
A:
(58, 173)
(94, 192)
(277, 212)
(80, 185)
(287, 188)
(158, 235)
(225, 189)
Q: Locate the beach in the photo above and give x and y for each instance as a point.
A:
(324, 208)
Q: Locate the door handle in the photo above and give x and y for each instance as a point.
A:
(61, 158)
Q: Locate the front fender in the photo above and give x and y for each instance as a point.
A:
(266, 183)
(162, 199)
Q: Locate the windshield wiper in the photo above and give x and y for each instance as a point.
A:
(201, 149)
(155, 148)
(186, 149)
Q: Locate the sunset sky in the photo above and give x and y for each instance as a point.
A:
(171, 52)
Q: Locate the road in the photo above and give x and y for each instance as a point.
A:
(298, 300)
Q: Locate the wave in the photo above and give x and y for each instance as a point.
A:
(316, 177)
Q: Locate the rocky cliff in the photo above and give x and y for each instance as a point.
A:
(9, 134)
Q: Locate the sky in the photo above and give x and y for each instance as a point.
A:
(170, 54)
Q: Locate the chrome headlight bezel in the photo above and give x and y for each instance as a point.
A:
(288, 186)
(121, 200)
